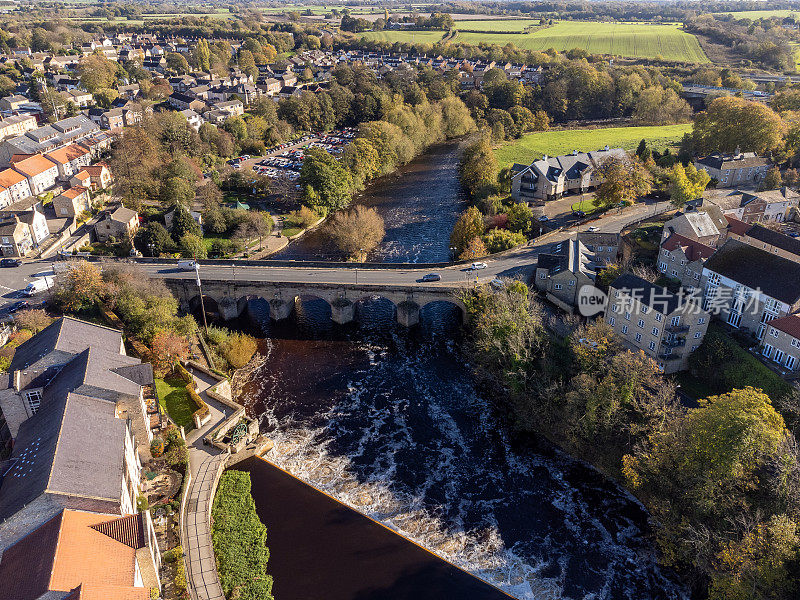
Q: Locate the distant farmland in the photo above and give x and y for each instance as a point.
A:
(634, 40)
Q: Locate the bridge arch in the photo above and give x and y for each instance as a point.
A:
(453, 302)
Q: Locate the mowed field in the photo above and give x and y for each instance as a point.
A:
(761, 14)
(634, 40)
(554, 143)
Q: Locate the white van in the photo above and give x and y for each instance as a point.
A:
(39, 285)
(187, 265)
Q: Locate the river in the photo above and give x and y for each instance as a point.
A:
(392, 424)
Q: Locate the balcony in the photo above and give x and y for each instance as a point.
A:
(674, 342)
(677, 328)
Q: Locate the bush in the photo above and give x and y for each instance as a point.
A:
(498, 240)
(142, 503)
(305, 217)
(5, 363)
(240, 349)
(157, 447)
(180, 577)
(170, 556)
(239, 540)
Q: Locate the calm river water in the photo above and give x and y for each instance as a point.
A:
(391, 423)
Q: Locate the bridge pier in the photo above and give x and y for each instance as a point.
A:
(342, 311)
(280, 309)
(228, 308)
(408, 313)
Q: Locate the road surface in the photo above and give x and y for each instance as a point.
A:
(517, 263)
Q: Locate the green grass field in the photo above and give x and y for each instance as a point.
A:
(635, 40)
(553, 143)
(499, 25)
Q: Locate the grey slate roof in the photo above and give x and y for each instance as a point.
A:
(757, 269)
(658, 298)
(774, 238)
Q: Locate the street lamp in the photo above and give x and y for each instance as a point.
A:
(361, 256)
(453, 253)
(200, 288)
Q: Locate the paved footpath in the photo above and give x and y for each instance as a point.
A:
(204, 462)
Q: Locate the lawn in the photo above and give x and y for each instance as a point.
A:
(635, 40)
(173, 397)
(586, 205)
(553, 143)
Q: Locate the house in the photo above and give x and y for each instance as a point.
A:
(781, 342)
(5, 197)
(664, 326)
(47, 138)
(15, 237)
(70, 159)
(95, 177)
(766, 239)
(747, 287)
(16, 184)
(13, 103)
(78, 554)
(773, 205)
(695, 225)
(731, 170)
(79, 98)
(37, 224)
(271, 86)
(562, 274)
(72, 202)
(112, 119)
(604, 247)
(40, 171)
(122, 223)
(181, 101)
(682, 258)
(551, 177)
(234, 108)
(195, 120)
(17, 125)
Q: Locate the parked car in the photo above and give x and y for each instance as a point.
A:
(40, 285)
(477, 266)
(592, 229)
(544, 218)
(578, 213)
(10, 262)
(431, 277)
(18, 305)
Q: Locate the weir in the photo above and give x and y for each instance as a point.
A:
(229, 298)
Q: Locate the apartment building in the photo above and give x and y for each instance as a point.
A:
(561, 275)
(781, 342)
(683, 259)
(765, 239)
(774, 205)
(697, 225)
(667, 327)
(739, 168)
(747, 287)
(70, 159)
(17, 125)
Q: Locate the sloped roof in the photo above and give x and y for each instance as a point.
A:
(26, 566)
(757, 269)
(774, 238)
(34, 165)
(68, 153)
(124, 215)
(10, 177)
(693, 249)
(658, 298)
(128, 530)
(790, 324)
(73, 192)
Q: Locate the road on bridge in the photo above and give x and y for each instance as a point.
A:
(517, 263)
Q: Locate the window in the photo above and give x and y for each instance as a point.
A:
(659, 317)
(778, 358)
(773, 332)
(655, 331)
(627, 316)
(615, 308)
(674, 273)
(571, 282)
(638, 337)
(557, 286)
(697, 334)
(701, 320)
(767, 350)
(611, 321)
(734, 319)
(645, 309)
(790, 361)
(624, 329)
(675, 321)
(34, 400)
(652, 345)
(641, 323)
(662, 267)
(599, 248)
(795, 343)
(693, 348)
(542, 275)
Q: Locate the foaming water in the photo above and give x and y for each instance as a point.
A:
(393, 426)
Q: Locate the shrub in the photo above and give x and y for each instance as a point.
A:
(5, 363)
(142, 503)
(180, 577)
(157, 447)
(498, 240)
(173, 554)
(240, 349)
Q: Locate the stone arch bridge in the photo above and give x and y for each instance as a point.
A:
(231, 297)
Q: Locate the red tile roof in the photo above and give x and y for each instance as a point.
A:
(126, 530)
(34, 165)
(68, 153)
(790, 324)
(73, 192)
(693, 249)
(9, 177)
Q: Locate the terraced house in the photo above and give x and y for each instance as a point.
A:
(731, 170)
(781, 343)
(748, 287)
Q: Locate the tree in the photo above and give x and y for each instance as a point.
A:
(192, 246)
(468, 226)
(97, 72)
(166, 349)
(357, 231)
(79, 288)
(475, 249)
(183, 223)
(623, 181)
(176, 191)
(33, 319)
(255, 225)
(153, 239)
(177, 63)
(643, 152)
(479, 168)
(686, 183)
(520, 218)
(729, 123)
(247, 64)
(660, 106)
(328, 179)
(202, 55)
(497, 240)
(772, 180)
